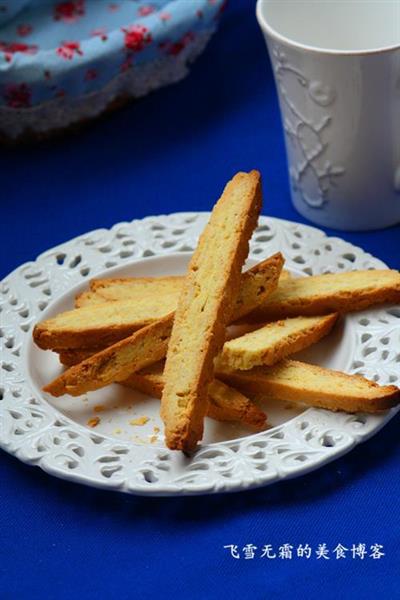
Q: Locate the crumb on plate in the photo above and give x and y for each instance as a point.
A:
(93, 422)
(139, 421)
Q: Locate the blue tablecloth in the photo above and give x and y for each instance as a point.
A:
(168, 152)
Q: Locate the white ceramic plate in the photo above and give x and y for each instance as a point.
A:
(53, 433)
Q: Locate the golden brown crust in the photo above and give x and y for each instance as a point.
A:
(332, 292)
(225, 403)
(205, 306)
(257, 283)
(99, 325)
(272, 342)
(115, 363)
(308, 384)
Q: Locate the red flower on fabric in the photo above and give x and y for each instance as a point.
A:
(11, 48)
(68, 50)
(146, 10)
(90, 75)
(69, 12)
(100, 32)
(137, 37)
(113, 7)
(176, 48)
(18, 95)
(23, 30)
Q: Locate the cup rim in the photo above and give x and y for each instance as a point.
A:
(263, 23)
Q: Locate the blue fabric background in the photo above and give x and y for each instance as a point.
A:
(173, 151)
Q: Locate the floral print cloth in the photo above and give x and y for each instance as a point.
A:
(52, 50)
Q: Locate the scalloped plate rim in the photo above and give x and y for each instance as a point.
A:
(157, 490)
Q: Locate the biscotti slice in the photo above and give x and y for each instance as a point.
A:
(314, 386)
(225, 403)
(332, 292)
(274, 341)
(101, 324)
(120, 360)
(205, 307)
(147, 346)
(135, 288)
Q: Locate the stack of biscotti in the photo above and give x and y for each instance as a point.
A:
(122, 328)
(101, 322)
(97, 324)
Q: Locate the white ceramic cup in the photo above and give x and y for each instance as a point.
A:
(337, 70)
